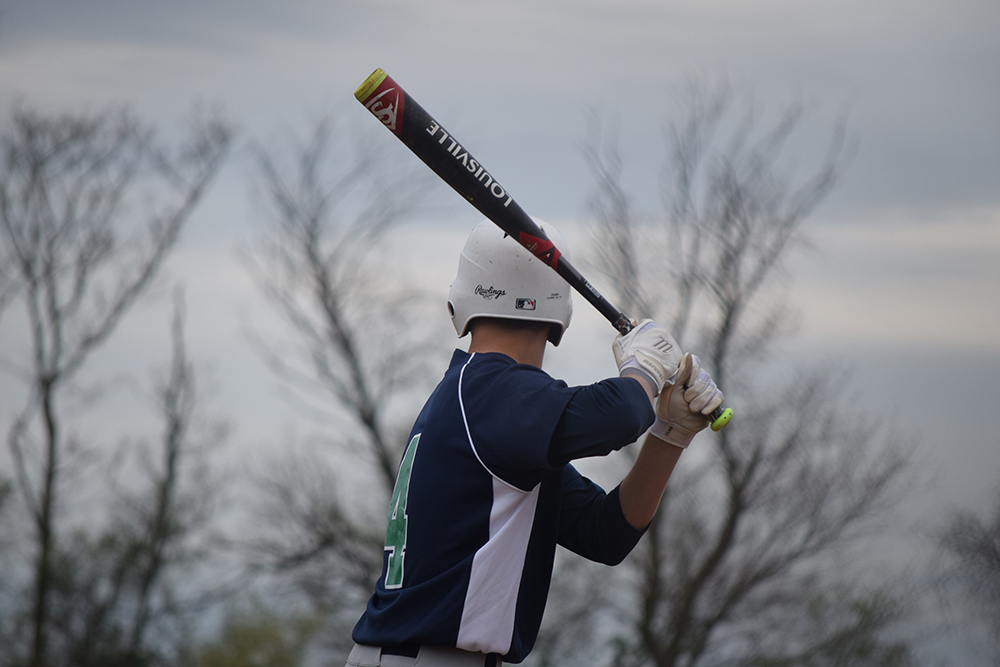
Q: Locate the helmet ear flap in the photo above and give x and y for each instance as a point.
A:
(499, 278)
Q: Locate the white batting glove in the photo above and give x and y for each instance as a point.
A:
(683, 409)
(650, 349)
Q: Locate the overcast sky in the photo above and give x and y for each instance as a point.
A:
(908, 281)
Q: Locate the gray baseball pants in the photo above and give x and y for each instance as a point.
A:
(426, 656)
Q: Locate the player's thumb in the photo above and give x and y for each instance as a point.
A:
(684, 371)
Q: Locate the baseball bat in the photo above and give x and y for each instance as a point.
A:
(440, 151)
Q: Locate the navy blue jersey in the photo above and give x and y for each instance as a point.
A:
(484, 493)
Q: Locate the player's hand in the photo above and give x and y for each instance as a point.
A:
(682, 410)
(650, 349)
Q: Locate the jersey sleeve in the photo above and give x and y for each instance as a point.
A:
(601, 418)
(592, 523)
(511, 412)
(523, 423)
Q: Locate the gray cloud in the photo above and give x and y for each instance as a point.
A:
(920, 79)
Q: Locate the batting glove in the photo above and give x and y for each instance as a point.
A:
(650, 349)
(682, 410)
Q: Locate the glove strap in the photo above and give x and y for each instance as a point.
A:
(672, 433)
(633, 367)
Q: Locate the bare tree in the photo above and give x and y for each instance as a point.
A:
(123, 591)
(971, 546)
(66, 187)
(356, 351)
(736, 566)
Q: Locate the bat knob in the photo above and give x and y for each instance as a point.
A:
(720, 420)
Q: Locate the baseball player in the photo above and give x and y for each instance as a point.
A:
(486, 488)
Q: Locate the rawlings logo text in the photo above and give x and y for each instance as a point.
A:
(489, 293)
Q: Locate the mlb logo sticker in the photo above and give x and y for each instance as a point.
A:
(524, 304)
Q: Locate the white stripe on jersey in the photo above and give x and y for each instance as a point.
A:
(491, 600)
(487, 623)
(468, 433)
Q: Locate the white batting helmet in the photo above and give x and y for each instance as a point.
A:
(498, 277)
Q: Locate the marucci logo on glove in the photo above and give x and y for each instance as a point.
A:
(663, 345)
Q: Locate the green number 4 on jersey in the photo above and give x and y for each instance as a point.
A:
(395, 530)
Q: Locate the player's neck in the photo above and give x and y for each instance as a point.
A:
(525, 346)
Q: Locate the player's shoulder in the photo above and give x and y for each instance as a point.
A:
(501, 367)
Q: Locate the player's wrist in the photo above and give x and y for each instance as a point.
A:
(671, 433)
(647, 381)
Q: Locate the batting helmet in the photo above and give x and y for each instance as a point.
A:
(498, 277)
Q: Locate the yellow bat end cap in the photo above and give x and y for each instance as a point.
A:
(370, 84)
(723, 419)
